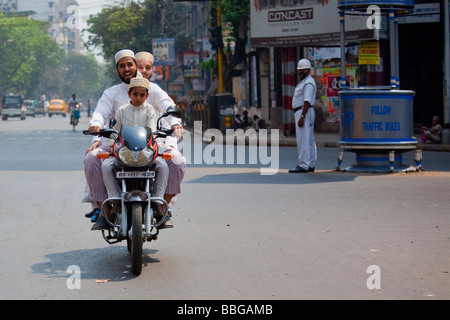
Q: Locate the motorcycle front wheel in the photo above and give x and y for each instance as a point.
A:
(136, 238)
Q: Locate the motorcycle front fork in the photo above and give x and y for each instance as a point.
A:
(148, 213)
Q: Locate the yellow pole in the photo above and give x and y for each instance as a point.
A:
(219, 58)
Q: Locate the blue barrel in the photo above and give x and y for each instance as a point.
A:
(377, 118)
(375, 122)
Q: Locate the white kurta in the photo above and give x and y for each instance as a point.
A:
(116, 96)
(111, 100)
(138, 116)
(130, 115)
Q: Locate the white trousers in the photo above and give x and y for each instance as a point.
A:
(306, 143)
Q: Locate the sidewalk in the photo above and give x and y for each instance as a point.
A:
(331, 140)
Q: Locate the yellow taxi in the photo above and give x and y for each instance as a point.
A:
(57, 106)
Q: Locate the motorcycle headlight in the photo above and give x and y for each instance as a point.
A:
(140, 158)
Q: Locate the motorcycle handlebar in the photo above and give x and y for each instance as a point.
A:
(103, 132)
(161, 133)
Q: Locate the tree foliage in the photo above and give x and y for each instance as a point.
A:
(26, 51)
(82, 74)
(32, 62)
(135, 25)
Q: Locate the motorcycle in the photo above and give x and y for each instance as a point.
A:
(135, 150)
(74, 116)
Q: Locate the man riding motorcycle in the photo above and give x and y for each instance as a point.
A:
(74, 109)
(109, 103)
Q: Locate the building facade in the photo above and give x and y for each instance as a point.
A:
(57, 13)
(284, 32)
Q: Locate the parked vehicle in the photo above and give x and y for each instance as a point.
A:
(12, 106)
(135, 150)
(57, 106)
(31, 107)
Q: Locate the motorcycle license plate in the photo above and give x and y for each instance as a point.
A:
(131, 174)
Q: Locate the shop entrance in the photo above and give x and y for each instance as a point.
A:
(421, 68)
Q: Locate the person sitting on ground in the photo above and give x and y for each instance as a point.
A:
(246, 121)
(237, 121)
(433, 134)
(260, 123)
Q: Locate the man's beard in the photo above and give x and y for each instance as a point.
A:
(127, 81)
(302, 76)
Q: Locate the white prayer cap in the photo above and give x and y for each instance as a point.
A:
(122, 54)
(144, 55)
(139, 82)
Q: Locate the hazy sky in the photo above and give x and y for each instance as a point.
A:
(91, 7)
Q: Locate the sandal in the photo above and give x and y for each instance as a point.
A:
(90, 214)
(95, 215)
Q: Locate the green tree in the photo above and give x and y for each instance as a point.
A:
(82, 76)
(235, 16)
(133, 26)
(26, 51)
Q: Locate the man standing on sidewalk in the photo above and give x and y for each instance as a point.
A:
(303, 106)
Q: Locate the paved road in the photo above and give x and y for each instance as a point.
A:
(238, 234)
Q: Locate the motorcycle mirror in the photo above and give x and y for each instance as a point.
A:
(172, 111)
(112, 122)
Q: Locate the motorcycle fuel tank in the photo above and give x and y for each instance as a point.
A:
(135, 138)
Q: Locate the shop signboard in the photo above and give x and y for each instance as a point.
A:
(423, 13)
(369, 53)
(191, 64)
(164, 51)
(311, 23)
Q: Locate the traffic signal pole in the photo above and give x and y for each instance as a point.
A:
(219, 57)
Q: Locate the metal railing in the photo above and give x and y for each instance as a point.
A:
(194, 109)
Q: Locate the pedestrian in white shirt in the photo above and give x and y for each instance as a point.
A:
(302, 104)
